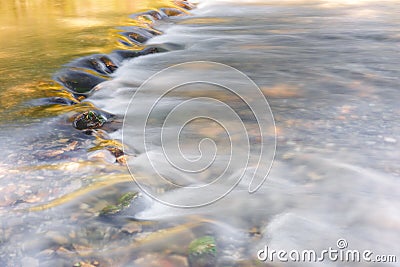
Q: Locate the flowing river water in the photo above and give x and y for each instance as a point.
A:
(329, 70)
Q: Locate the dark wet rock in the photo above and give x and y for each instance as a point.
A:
(138, 35)
(125, 43)
(164, 47)
(116, 151)
(155, 14)
(90, 120)
(202, 252)
(62, 101)
(122, 159)
(89, 132)
(185, 4)
(123, 54)
(79, 82)
(171, 12)
(150, 15)
(100, 63)
(151, 49)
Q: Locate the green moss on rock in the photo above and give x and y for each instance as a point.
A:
(125, 199)
(110, 210)
(202, 252)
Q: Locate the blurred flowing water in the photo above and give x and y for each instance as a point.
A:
(329, 70)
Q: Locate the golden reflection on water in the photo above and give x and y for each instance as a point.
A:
(37, 37)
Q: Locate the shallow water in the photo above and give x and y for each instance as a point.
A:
(330, 74)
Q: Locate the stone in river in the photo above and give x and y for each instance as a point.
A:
(89, 120)
(78, 82)
(103, 64)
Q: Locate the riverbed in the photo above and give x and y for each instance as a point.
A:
(328, 69)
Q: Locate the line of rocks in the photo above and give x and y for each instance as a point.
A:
(81, 76)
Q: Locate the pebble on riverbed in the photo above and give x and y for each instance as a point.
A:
(86, 264)
(103, 155)
(157, 259)
(131, 228)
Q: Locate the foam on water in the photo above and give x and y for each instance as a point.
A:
(335, 176)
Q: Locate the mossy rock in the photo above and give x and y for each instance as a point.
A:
(202, 252)
(123, 203)
(110, 210)
(126, 199)
(89, 120)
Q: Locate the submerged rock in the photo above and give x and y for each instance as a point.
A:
(53, 100)
(202, 252)
(86, 264)
(123, 54)
(151, 49)
(110, 210)
(126, 199)
(62, 101)
(124, 210)
(103, 155)
(132, 228)
(170, 12)
(159, 259)
(123, 203)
